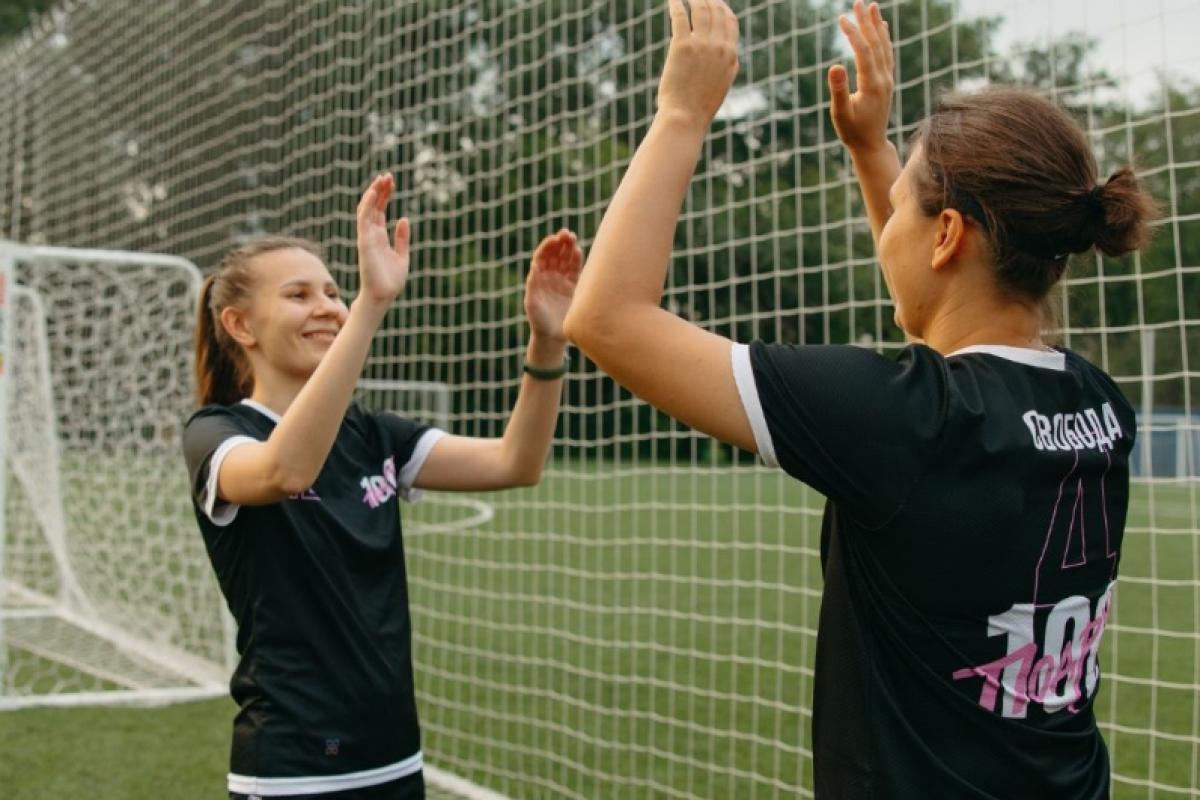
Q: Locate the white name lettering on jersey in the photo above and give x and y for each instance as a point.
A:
(1083, 430)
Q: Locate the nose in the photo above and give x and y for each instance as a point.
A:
(330, 307)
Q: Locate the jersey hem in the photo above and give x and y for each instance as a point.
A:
(322, 784)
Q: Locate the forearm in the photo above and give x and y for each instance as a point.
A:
(301, 441)
(876, 169)
(628, 262)
(530, 429)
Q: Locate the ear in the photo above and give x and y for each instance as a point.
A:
(234, 321)
(951, 238)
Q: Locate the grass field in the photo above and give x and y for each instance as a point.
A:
(643, 632)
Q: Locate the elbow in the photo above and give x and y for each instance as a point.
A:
(289, 484)
(526, 481)
(288, 481)
(526, 476)
(592, 330)
(573, 325)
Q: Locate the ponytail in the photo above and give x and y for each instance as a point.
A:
(1124, 214)
(222, 374)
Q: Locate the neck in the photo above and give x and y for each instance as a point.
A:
(981, 321)
(275, 391)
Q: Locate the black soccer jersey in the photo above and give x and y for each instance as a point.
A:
(976, 504)
(317, 586)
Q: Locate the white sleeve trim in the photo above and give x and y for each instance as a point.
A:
(743, 376)
(410, 471)
(220, 512)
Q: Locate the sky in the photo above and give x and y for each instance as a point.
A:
(1137, 38)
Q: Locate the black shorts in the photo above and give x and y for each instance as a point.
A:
(410, 787)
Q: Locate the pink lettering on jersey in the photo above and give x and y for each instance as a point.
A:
(378, 489)
(993, 671)
(1067, 670)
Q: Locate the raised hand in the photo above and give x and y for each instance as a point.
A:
(382, 264)
(861, 118)
(553, 274)
(702, 60)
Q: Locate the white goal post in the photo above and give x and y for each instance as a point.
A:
(106, 594)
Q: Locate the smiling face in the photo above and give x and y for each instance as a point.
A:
(292, 316)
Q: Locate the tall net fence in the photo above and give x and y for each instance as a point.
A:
(643, 622)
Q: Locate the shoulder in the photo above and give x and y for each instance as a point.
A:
(1103, 384)
(846, 357)
(236, 415)
(835, 368)
(386, 421)
(208, 415)
(1084, 367)
(218, 422)
(385, 429)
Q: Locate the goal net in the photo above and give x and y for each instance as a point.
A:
(642, 623)
(105, 591)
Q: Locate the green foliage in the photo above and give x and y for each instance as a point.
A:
(15, 15)
(506, 121)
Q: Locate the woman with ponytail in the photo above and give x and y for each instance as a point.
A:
(976, 485)
(296, 493)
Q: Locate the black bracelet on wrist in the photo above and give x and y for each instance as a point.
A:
(547, 373)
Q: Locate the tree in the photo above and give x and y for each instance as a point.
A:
(15, 15)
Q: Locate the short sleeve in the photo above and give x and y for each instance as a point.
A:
(410, 443)
(854, 425)
(208, 437)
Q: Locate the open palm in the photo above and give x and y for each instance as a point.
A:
(382, 263)
(553, 274)
(861, 118)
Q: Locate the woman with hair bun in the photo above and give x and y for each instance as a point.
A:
(977, 484)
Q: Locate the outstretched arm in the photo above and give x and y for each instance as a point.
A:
(616, 318)
(516, 459)
(289, 461)
(860, 119)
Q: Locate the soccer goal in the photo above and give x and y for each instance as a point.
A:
(643, 622)
(106, 594)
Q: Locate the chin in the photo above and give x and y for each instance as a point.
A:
(308, 362)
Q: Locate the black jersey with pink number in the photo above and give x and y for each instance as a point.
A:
(976, 504)
(317, 585)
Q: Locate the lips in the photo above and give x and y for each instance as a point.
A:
(320, 336)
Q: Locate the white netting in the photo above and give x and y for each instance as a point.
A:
(642, 623)
(105, 587)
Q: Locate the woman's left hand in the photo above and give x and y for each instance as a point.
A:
(702, 60)
(553, 274)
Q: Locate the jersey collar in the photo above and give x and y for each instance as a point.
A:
(260, 408)
(1045, 359)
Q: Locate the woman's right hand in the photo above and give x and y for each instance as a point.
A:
(382, 264)
(861, 118)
